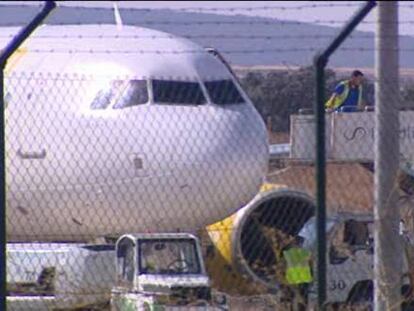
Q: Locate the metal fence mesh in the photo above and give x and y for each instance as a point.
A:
(163, 138)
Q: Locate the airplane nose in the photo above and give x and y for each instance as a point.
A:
(234, 156)
(202, 163)
(242, 148)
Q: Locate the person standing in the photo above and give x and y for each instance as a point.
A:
(347, 96)
(298, 272)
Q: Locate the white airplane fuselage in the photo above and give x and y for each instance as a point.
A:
(75, 173)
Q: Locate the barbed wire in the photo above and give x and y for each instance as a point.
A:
(197, 51)
(250, 8)
(201, 9)
(200, 36)
(262, 21)
(207, 9)
(282, 8)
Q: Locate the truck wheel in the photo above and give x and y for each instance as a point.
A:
(408, 304)
(362, 294)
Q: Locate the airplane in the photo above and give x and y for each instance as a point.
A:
(112, 130)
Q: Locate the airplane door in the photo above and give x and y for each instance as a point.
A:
(26, 127)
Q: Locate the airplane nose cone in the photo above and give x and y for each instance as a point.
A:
(241, 150)
(211, 159)
(230, 156)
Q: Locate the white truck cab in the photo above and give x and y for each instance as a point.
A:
(350, 259)
(162, 272)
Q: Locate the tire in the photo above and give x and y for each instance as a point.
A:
(362, 295)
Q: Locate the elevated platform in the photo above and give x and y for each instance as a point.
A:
(349, 137)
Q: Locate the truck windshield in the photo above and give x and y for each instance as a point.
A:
(308, 232)
(168, 257)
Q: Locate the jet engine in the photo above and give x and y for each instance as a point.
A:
(243, 250)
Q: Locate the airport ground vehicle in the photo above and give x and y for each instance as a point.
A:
(162, 272)
(149, 269)
(350, 260)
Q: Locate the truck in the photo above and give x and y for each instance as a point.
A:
(350, 261)
(162, 271)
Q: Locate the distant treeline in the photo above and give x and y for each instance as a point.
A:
(278, 94)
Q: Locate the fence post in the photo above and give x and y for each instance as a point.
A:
(388, 249)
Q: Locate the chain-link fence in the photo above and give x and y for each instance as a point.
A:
(127, 146)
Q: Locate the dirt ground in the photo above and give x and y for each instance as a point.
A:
(268, 303)
(258, 303)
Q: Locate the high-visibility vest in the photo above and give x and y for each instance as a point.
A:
(298, 269)
(340, 99)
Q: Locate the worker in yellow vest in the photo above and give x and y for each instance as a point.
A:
(347, 96)
(298, 271)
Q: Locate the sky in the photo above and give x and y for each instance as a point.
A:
(302, 11)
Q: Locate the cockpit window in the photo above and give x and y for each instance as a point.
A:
(122, 94)
(223, 92)
(177, 92)
(102, 99)
(135, 93)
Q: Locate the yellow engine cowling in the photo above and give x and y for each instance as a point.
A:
(240, 256)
